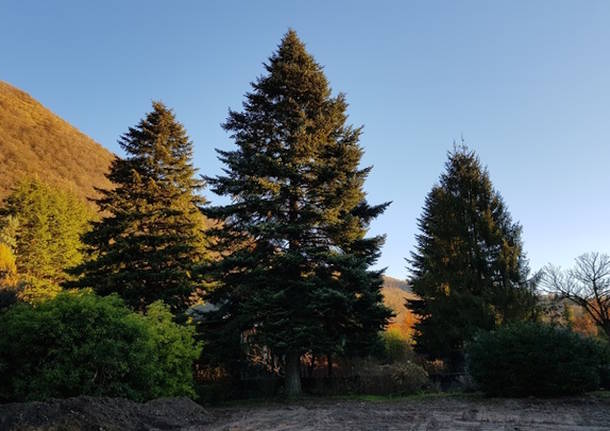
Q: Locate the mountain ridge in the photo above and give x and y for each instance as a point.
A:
(35, 142)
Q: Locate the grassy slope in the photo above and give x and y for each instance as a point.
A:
(36, 142)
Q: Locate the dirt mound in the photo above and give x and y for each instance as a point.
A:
(92, 413)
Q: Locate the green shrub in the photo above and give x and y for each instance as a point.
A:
(605, 367)
(82, 344)
(402, 378)
(532, 359)
(396, 347)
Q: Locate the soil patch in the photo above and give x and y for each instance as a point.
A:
(575, 414)
(588, 413)
(107, 414)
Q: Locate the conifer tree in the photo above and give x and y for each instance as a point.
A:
(151, 234)
(469, 269)
(295, 274)
(42, 225)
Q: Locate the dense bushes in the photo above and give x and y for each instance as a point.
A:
(82, 344)
(400, 378)
(533, 359)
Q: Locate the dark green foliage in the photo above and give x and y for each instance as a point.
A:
(296, 260)
(532, 359)
(469, 269)
(400, 378)
(605, 368)
(8, 297)
(82, 344)
(151, 233)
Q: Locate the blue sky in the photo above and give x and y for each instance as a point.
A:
(526, 83)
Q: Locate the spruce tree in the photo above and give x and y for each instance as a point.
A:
(295, 274)
(469, 269)
(150, 235)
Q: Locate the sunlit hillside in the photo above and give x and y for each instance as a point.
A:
(395, 294)
(36, 142)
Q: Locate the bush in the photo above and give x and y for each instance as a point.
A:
(396, 379)
(396, 347)
(174, 352)
(605, 368)
(532, 359)
(82, 344)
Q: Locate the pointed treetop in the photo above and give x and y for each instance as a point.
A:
(291, 67)
(291, 43)
(292, 50)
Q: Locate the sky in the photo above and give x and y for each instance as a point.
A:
(525, 83)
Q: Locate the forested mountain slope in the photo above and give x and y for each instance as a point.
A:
(36, 142)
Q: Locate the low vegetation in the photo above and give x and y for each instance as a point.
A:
(534, 359)
(81, 344)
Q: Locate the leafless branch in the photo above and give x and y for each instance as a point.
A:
(587, 284)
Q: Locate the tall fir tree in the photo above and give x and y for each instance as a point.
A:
(151, 234)
(469, 269)
(295, 274)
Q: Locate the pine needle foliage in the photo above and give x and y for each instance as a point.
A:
(295, 273)
(42, 225)
(469, 269)
(151, 233)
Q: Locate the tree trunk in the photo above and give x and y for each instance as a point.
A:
(330, 364)
(292, 379)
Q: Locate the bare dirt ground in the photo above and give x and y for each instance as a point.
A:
(104, 414)
(430, 413)
(587, 413)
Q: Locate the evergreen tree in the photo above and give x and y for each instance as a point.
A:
(42, 226)
(469, 270)
(150, 235)
(294, 273)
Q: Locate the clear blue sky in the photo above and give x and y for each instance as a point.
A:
(526, 83)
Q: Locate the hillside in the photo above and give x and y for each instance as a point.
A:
(36, 142)
(395, 284)
(395, 293)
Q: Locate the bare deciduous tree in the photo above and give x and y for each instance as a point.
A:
(587, 284)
